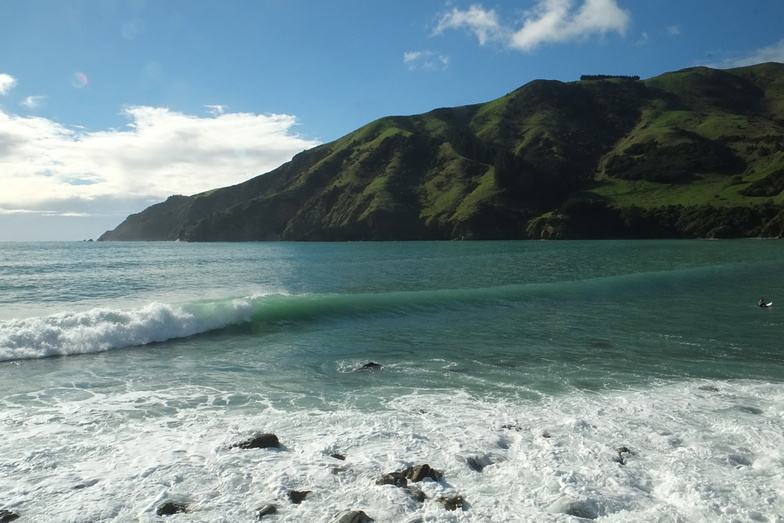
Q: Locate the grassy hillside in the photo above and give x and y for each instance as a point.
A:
(693, 153)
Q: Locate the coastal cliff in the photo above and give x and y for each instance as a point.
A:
(688, 154)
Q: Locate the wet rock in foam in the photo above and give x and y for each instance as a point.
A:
(7, 515)
(353, 516)
(260, 441)
(170, 508)
(266, 510)
(451, 502)
(298, 496)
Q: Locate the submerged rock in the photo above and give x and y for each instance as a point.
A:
(414, 474)
(623, 455)
(371, 366)
(451, 502)
(261, 441)
(477, 463)
(420, 472)
(7, 515)
(298, 496)
(586, 509)
(353, 516)
(416, 494)
(266, 510)
(171, 507)
(397, 479)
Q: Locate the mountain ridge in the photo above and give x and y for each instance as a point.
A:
(692, 153)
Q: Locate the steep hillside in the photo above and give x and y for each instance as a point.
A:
(694, 153)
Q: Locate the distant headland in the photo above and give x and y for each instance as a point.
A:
(696, 153)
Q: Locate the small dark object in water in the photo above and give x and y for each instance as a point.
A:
(623, 453)
(416, 494)
(420, 472)
(341, 457)
(262, 441)
(451, 502)
(266, 510)
(170, 507)
(354, 516)
(371, 366)
(397, 479)
(298, 496)
(7, 515)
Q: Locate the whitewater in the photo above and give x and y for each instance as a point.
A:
(617, 381)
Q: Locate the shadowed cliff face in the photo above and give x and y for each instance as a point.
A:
(697, 152)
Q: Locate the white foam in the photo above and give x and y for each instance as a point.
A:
(694, 455)
(102, 329)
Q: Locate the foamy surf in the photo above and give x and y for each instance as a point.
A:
(695, 451)
(99, 330)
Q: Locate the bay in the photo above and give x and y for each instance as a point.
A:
(130, 369)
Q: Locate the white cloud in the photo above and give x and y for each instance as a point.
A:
(771, 53)
(45, 166)
(33, 102)
(7, 82)
(484, 24)
(215, 110)
(426, 60)
(674, 30)
(550, 21)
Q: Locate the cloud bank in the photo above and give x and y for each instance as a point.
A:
(44, 164)
(771, 53)
(550, 21)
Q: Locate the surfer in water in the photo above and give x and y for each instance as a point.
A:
(761, 303)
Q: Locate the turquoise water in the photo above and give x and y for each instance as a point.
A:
(128, 369)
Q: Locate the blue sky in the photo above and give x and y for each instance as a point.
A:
(109, 106)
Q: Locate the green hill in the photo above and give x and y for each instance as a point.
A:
(693, 153)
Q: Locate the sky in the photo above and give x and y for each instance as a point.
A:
(110, 106)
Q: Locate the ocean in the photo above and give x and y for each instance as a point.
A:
(616, 381)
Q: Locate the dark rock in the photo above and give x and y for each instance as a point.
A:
(451, 502)
(262, 441)
(170, 507)
(90, 483)
(397, 479)
(416, 494)
(420, 472)
(478, 463)
(341, 457)
(298, 496)
(7, 515)
(354, 516)
(266, 510)
(371, 366)
(414, 474)
(623, 454)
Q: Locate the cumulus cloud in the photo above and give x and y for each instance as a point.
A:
(426, 60)
(7, 82)
(47, 167)
(550, 21)
(483, 23)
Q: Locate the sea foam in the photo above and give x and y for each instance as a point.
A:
(102, 329)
